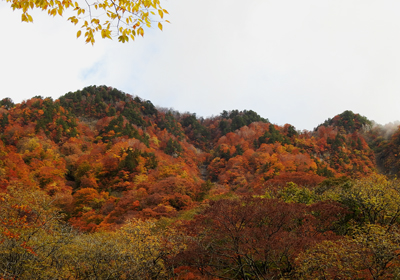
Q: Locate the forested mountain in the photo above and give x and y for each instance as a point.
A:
(231, 196)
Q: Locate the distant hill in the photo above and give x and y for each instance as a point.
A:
(349, 122)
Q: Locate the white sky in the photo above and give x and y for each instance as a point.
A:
(292, 61)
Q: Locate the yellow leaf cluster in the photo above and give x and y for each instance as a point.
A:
(36, 244)
(124, 19)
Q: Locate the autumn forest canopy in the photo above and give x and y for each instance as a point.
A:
(100, 184)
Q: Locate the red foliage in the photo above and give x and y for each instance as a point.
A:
(299, 178)
(254, 236)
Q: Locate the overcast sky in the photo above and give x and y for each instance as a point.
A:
(291, 61)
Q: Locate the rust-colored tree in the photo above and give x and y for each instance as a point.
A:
(253, 238)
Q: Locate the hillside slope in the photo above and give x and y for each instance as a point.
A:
(108, 156)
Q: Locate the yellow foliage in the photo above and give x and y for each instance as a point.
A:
(371, 253)
(140, 178)
(155, 141)
(171, 170)
(136, 251)
(35, 244)
(123, 19)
